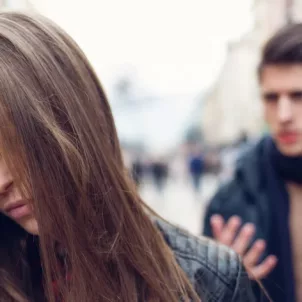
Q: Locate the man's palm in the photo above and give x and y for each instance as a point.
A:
(225, 233)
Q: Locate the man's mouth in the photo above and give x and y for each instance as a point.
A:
(287, 138)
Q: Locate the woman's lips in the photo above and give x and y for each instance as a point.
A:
(18, 210)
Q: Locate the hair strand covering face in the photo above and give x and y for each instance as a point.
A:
(59, 140)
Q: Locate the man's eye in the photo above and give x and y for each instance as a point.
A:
(296, 95)
(271, 97)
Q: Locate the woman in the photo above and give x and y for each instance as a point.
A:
(72, 226)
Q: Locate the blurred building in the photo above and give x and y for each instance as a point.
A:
(15, 4)
(295, 10)
(233, 105)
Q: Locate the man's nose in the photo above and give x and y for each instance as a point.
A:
(285, 109)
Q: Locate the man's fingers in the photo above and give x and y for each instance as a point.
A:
(263, 269)
(217, 224)
(252, 256)
(244, 238)
(226, 232)
(230, 230)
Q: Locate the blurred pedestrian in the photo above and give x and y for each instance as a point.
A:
(137, 171)
(196, 169)
(159, 172)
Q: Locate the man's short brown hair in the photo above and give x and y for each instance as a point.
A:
(284, 47)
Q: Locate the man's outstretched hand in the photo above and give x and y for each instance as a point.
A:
(225, 233)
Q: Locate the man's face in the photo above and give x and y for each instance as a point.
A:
(281, 88)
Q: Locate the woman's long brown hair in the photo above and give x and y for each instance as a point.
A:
(58, 137)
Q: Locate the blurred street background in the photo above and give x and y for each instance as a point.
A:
(181, 79)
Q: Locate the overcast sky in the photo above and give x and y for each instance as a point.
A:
(173, 46)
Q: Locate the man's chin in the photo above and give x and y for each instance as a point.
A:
(291, 150)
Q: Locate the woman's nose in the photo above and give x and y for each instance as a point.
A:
(5, 184)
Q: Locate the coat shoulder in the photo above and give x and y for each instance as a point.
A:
(215, 270)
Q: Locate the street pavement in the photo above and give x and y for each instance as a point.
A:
(178, 203)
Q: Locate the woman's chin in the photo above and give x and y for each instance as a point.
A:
(30, 225)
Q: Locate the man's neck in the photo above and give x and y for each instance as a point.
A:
(294, 189)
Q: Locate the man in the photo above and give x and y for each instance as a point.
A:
(259, 212)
